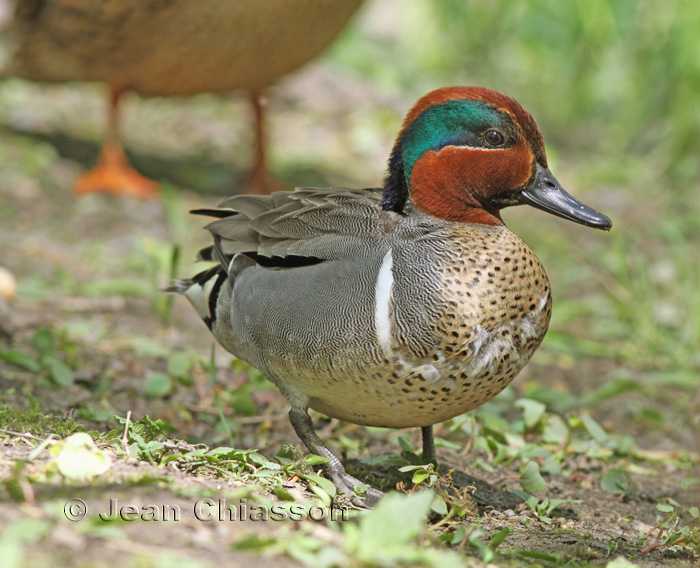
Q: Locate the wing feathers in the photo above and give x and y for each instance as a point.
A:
(316, 224)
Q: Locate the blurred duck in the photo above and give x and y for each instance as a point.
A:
(399, 306)
(169, 48)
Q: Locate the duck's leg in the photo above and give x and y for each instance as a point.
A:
(113, 173)
(483, 493)
(429, 454)
(259, 181)
(344, 482)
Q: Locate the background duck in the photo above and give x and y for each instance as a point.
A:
(170, 48)
(398, 306)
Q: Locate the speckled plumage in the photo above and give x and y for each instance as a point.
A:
(399, 306)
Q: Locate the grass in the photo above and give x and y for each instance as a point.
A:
(369, 539)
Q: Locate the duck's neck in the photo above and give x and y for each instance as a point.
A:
(395, 186)
(435, 190)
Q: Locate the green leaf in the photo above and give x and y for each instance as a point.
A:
(14, 490)
(614, 480)
(116, 287)
(314, 460)
(531, 479)
(179, 364)
(532, 411)
(555, 430)
(322, 494)
(242, 403)
(554, 503)
(322, 482)
(664, 508)
(405, 446)
(531, 500)
(79, 458)
(11, 553)
(439, 507)
(60, 372)
(20, 360)
(393, 524)
(551, 466)
(498, 538)
(621, 562)
(594, 429)
(420, 476)
(44, 341)
(26, 530)
(539, 555)
(282, 494)
(158, 385)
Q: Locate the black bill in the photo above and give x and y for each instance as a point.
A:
(547, 194)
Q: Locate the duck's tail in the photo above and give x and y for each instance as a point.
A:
(202, 291)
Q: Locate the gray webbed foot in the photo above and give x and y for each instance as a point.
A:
(344, 482)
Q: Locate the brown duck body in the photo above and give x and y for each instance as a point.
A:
(418, 318)
(172, 47)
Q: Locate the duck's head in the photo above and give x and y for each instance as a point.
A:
(465, 153)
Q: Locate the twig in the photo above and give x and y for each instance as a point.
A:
(41, 447)
(20, 434)
(470, 442)
(125, 438)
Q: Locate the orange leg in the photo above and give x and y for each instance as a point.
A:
(259, 181)
(113, 173)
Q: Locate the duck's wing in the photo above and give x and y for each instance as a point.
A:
(297, 228)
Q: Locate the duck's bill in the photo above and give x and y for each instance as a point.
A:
(547, 194)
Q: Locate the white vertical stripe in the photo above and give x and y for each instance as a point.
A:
(382, 293)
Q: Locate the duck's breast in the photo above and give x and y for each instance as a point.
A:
(484, 307)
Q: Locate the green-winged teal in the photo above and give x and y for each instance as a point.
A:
(169, 48)
(397, 306)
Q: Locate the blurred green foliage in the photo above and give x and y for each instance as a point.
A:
(614, 76)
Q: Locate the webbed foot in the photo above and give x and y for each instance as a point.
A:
(353, 490)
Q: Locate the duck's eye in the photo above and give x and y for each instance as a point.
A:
(494, 138)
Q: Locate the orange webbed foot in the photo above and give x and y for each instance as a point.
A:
(114, 175)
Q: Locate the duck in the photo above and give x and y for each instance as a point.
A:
(398, 306)
(169, 48)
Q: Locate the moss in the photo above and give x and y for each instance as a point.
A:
(38, 423)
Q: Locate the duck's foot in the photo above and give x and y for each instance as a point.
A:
(353, 490)
(113, 174)
(359, 494)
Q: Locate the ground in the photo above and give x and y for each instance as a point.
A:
(604, 418)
